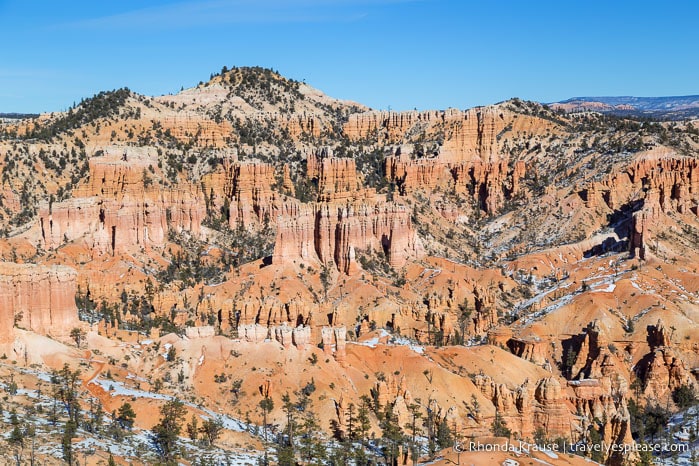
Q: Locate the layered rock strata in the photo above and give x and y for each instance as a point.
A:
(37, 298)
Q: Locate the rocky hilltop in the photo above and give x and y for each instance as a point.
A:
(266, 252)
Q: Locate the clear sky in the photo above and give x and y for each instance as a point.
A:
(383, 53)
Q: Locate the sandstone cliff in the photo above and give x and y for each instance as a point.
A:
(37, 298)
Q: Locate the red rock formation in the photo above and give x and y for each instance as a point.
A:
(500, 336)
(525, 408)
(337, 179)
(421, 174)
(334, 342)
(39, 298)
(249, 186)
(328, 233)
(119, 209)
(474, 134)
(594, 399)
(489, 183)
(532, 349)
(283, 334)
(658, 183)
(662, 370)
(253, 333)
(486, 315)
(199, 332)
(268, 311)
(203, 132)
(340, 343)
(302, 337)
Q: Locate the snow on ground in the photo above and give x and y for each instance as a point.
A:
(609, 289)
(118, 389)
(679, 430)
(405, 342)
(397, 341)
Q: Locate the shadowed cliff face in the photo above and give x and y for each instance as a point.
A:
(427, 253)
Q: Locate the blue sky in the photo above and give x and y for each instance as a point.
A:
(398, 54)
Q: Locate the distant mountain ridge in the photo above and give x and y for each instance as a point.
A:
(17, 116)
(672, 107)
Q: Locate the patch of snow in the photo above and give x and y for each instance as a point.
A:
(609, 289)
(166, 348)
(370, 343)
(405, 342)
(115, 388)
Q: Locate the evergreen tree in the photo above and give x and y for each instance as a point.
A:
(69, 430)
(16, 441)
(211, 428)
(285, 443)
(499, 426)
(363, 420)
(167, 431)
(311, 446)
(126, 416)
(415, 414)
(266, 405)
(193, 428)
(392, 435)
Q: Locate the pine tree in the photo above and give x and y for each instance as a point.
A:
(126, 416)
(67, 441)
(193, 428)
(167, 431)
(211, 428)
(266, 405)
(392, 435)
(499, 426)
(415, 414)
(311, 446)
(363, 420)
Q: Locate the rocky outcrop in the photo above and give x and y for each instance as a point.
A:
(249, 188)
(202, 132)
(489, 184)
(474, 134)
(421, 174)
(663, 369)
(486, 316)
(268, 311)
(671, 183)
(283, 334)
(334, 342)
(529, 406)
(302, 337)
(591, 356)
(337, 179)
(534, 349)
(204, 331)
(329, 233)
(121, 208)
(253, 333)
(37, 298)
(595, 400)
(660, 182)
(639, 234)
